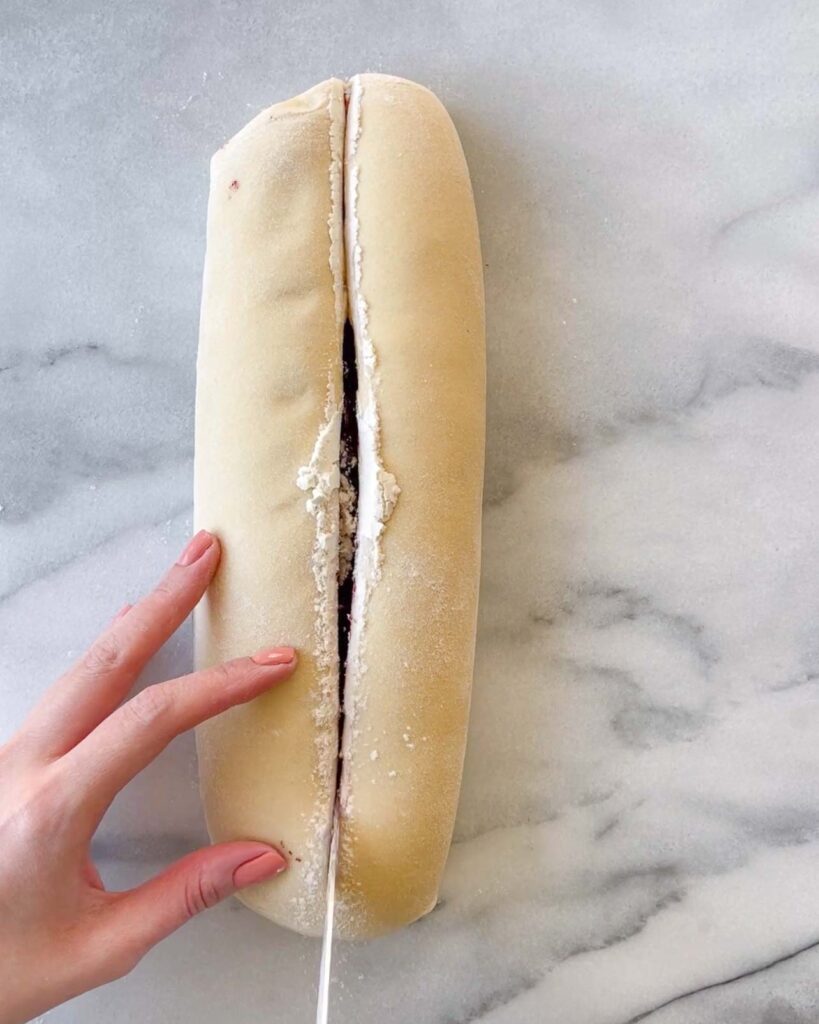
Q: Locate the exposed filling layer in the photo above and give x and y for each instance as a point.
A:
(347, 508)
(350, 493)
(321, 481)
(377, 488)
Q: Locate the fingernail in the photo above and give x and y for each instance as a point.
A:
(122, 612)
(197, 546)
(266, 865)
(274, 656)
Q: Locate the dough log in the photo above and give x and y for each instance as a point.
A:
(350, 202)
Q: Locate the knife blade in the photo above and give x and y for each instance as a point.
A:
(323, 1001)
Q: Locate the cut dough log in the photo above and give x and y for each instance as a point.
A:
(416, 294)
(267, 448)
(267, 421)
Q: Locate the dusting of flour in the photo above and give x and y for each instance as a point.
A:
(320, 479)
(378, 489)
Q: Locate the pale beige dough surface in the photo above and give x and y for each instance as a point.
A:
(269, 380)
(414, 236)
(273, 309)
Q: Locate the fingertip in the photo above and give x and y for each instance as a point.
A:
(193, 884)
(265, 675)
(260, 868)
(203, 545)
(275, 656)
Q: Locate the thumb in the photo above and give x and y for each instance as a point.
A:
(153, 910)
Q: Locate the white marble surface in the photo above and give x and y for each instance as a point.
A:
(639, 831)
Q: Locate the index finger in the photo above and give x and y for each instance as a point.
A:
(102, 678)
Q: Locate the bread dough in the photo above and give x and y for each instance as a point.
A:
(269, 397)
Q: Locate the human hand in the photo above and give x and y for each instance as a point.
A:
(61, 932)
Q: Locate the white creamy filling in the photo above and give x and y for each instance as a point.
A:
(347, 517)
(330, 502)
(320, 480)
(378, 489)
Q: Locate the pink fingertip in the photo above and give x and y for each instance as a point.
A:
(275, 656)
(259, 868)
(195, 548)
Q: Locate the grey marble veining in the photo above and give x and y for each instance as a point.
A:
(638, 836)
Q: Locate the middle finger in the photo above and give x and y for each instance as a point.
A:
(128, 740)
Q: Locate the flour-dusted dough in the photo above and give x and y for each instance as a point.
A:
(266, 482)
(267, 426)
(416, 293)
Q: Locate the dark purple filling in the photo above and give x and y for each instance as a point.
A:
(348, 467)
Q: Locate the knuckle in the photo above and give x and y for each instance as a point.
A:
(112, 956)
(48, 801)
(106, 655)
(165, 594)
(223, 675)
(39, 811)
(165, 589)
(200, 893)
(150, 706)
(224, 684)
(166, 599)
(122, 963)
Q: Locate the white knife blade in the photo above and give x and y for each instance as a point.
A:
(323, 1003)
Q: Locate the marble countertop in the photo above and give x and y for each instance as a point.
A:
(638, 836)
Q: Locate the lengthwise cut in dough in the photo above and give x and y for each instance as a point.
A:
(284, 263)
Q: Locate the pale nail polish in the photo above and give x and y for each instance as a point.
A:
(266, 865)
(274, 656)
(196, 547)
